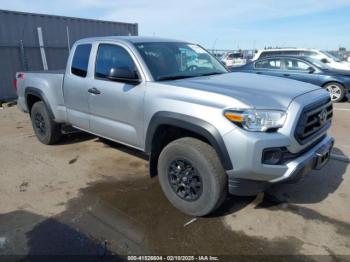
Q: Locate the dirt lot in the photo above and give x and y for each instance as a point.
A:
(89, 196)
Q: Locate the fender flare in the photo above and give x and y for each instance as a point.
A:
(40, 94)
(192, 124)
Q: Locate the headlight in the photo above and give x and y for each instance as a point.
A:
(256, 120)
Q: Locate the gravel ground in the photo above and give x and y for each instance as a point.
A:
(89, 196)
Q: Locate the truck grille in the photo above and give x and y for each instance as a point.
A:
(314, 120)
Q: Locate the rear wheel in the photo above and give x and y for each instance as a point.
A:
(192, 177)
(46, 130)
(336, 91)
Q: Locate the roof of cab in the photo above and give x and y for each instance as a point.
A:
(130, 39)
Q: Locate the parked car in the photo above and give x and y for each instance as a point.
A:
(233, 59)
(324, 57)
(206, 131)
(305, 69)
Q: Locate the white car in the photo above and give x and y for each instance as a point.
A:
(233, 59)
(322, 56)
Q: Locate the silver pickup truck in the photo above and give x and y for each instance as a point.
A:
(206, 131)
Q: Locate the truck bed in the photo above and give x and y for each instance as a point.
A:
(47, 83)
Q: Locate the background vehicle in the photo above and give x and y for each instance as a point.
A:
(207, 132)
(322, 56)
(309, 70)
(348, 57)
(233, 59)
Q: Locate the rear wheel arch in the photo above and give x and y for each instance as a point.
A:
(166, 127)
(33, 95)
(47, 131)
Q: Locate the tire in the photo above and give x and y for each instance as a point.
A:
(46, 130)
(206, 170)
(336, 90)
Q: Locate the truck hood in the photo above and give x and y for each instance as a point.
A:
(264, 92)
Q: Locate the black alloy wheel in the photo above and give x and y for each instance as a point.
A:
(40, 124)
(185, 180)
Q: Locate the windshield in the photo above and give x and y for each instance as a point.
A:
(331, 56)
(173, 60)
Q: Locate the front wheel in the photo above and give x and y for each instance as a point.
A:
(46, 130)
(191, 176)
(336, 91)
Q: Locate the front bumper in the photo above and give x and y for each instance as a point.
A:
(315, 158)
(241, 182)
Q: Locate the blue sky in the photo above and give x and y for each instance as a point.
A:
(225, 24)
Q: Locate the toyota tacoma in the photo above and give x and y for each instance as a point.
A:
(207, 132)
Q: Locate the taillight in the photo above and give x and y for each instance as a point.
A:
(15, 84)
(18, 76)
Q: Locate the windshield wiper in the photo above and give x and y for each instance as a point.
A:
(162, 78)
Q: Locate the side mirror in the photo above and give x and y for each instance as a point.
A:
(123, 75)
(324, 60)
(311, 70)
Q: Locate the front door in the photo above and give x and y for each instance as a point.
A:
(116, 108)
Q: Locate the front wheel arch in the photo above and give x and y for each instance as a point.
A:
(198, 186)
(197, 128)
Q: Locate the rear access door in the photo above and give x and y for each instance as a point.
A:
(75, 87)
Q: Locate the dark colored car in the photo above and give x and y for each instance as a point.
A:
(337, 82)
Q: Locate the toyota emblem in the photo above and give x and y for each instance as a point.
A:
(322, 117)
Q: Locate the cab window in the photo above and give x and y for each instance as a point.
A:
(81, 60)
(112, 56)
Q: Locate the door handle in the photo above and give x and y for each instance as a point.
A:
(259, 73)
(286, 74)
(94, 91)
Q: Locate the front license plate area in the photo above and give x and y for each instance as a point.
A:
(322, 156)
